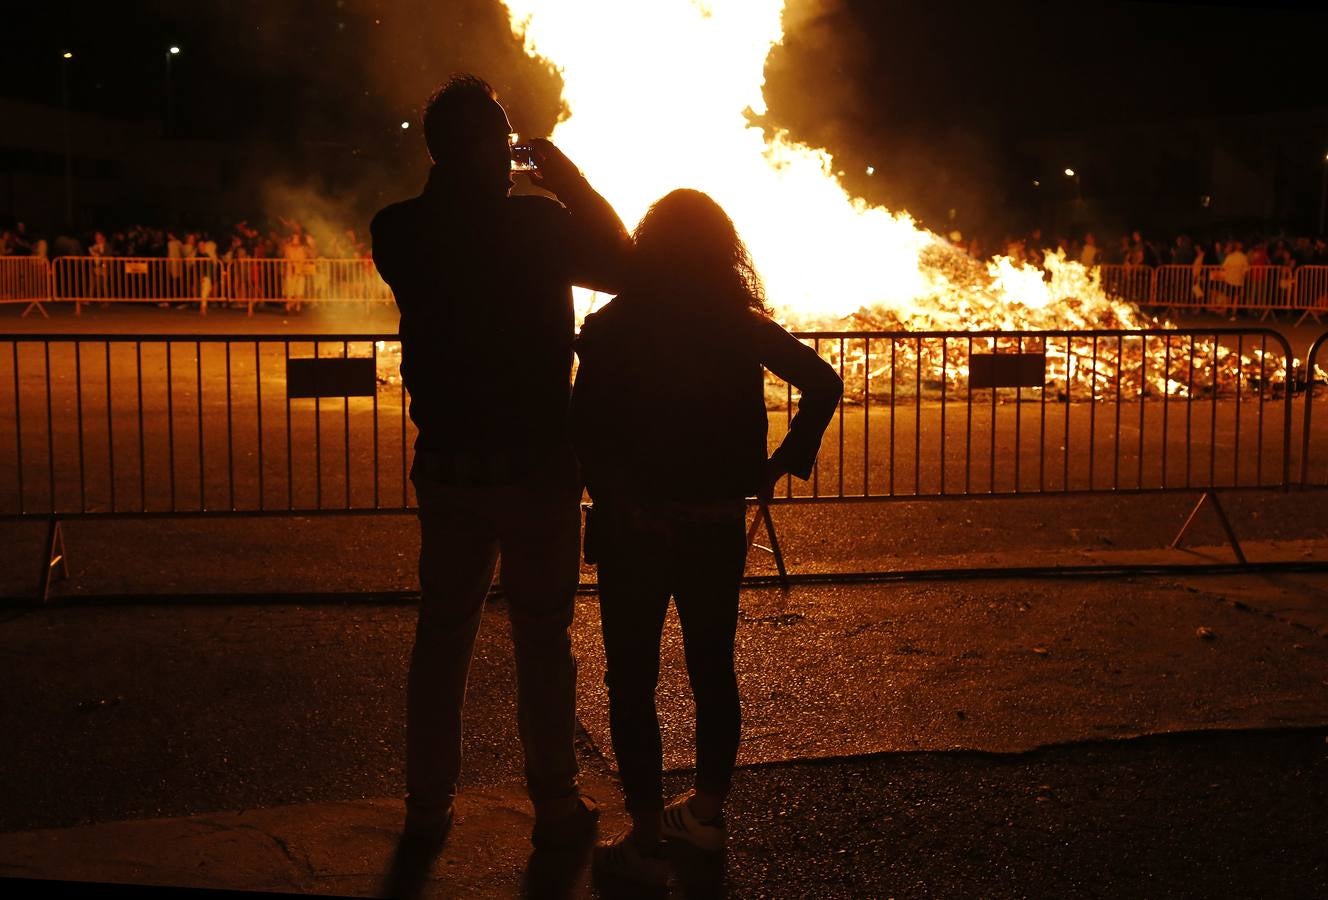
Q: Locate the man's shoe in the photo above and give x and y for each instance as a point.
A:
(620, 859)
(569, 832)
(679, 824)
(428, 830)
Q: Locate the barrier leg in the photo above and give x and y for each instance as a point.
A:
(763, 516)
(54, 556)
(1211, 496)
(774, 547)
(37, 305)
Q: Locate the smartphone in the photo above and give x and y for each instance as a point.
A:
(523, 158)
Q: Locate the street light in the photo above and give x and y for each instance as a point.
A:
(1069, 173)
(1323, 193)
(405, 125)
(172, 50)
(66, 57)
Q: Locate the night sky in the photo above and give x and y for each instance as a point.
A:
(909, 86)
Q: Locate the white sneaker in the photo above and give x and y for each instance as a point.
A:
(679, 824)
(619, 857)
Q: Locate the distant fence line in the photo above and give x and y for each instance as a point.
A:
(203, 280)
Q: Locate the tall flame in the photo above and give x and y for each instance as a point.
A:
(661, 95)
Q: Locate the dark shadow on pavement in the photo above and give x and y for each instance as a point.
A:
(700, 873)
(551, 875)
(411, 864)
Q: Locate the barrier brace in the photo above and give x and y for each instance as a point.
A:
(1310, 474)
(25, 279)
(105, 426)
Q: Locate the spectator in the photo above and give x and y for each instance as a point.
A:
(1089, 254)
(1235, 266)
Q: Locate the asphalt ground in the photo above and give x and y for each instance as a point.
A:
(871, 714)
(1144, 736)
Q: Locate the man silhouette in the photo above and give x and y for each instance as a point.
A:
(483, 282)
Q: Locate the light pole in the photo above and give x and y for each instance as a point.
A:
(170, 52)
(65, 60)
(1323, 192)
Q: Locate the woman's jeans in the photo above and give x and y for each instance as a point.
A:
(643, 560)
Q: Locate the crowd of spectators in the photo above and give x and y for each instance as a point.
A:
(288, 239)
(1136, 250)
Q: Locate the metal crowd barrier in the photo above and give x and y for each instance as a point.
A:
(202, 280)
(107, 426)
(25, 279)
(1264, 289)
(176, 425)
(292, 283)
(120, 279)
(295, 282)
(994, 414)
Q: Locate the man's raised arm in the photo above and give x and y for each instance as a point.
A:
(597, 244)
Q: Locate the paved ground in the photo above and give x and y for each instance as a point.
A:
(1161, 736)
(259, 746)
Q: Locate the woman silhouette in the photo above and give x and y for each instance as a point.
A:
(669, 421)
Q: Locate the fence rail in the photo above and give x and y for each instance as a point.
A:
(201, 280)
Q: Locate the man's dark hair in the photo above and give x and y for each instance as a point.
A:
(465, 109)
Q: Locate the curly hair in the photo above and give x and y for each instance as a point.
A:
(687, 244)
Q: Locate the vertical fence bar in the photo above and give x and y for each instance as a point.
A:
(318, 445)
(50, 427)
(1263, 395)
(1143, 397)
(170, 422)
(290, 463)
(1042, 423)
(142, 439)
(18, 427)
(375, 425)
(1092, 416)
(841, 417)
(917, 419)
(1166, 403)
(230, 432)
(944, 403)
(78, 395)
(1240, 389)
(1189, 415)
(1018, 415)
(1212, 424)
(866, 417)
(968, 421)
(258, 403)
(1116, 448)
(1069, 401)
(198, 397)
(345, 409)
(816, 464)
(991, 462)
(893, 374)
(110, 426)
